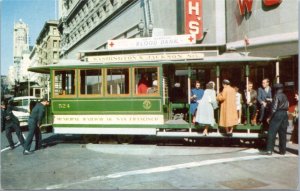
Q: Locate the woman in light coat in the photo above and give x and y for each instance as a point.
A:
(228, 114)
(205, 111)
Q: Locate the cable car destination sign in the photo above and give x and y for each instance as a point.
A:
(161, 56)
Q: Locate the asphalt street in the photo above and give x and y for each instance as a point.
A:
(67, 162)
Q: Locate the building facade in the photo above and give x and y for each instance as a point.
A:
(47, 46)
(258, 27)
(20, 45)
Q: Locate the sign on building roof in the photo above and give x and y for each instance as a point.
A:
(152, 42)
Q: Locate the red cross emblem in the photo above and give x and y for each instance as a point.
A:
(191, 38)
(111, 44)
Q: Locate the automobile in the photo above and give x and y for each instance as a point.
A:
(24, 104)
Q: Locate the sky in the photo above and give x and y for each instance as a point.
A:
(33, 12)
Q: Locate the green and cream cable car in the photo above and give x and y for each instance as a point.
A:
(131, 92)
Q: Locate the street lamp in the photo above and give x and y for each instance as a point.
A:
(150, 29)
(141, 26)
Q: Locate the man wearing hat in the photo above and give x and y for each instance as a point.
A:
(34, 124)
(11, 122)
(278, 121)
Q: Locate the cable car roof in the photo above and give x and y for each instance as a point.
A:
(231, 57)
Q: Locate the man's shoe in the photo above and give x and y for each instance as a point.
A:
(266, 153)
(26, 152)
(11, 147)
(282, 153)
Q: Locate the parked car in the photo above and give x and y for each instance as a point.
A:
(25, 104)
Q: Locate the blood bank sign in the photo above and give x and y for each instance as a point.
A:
(193, 18)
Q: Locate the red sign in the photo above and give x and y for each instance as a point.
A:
(245, 5)
(193, 18)
(271, 2)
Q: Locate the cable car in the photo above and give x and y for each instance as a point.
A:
(131, 92)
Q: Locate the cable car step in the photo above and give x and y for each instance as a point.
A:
(210, 135)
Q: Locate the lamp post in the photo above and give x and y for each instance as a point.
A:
(28, 83)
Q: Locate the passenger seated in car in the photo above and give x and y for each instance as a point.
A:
(143, 84)
(264, 99)
(153, 89)
(250, 101)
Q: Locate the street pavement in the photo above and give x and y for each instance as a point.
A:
(67, 162)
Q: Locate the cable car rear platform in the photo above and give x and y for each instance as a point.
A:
(181, 128)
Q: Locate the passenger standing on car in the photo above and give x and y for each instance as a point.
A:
(196, 95)
(238, 104)
(206, 106)
(34, 124)
(228, 114)
(278, 120)
(11, 123)
(294, 137)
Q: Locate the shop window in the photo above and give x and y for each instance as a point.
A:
(117, 81)
(64, 83)
(90, 82)
(146, 81)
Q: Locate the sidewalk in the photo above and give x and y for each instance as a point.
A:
(291, 147)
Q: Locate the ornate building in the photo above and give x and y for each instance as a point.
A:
(20, 44)
(48, 44)
(257, 27)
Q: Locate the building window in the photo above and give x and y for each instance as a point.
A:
(117, 81)
(55, 55)
(146, 81)
(55, 32)
(64, 82)
(55, 44)
(90, 82)
(113, 2)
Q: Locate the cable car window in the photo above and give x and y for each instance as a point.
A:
(117, 81)
(64, 82)
(146, 81)
(90, 82)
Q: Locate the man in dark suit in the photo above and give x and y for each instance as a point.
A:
(34, 124)
(264, 99)
(11, 122)
(278, 120)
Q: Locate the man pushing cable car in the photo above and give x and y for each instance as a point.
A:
(34, 124)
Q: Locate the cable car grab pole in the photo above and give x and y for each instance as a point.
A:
(189, 94)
